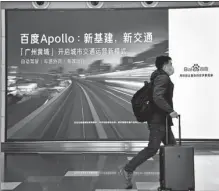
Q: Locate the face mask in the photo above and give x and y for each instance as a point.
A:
(169, 69)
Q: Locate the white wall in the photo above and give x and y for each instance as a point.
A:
(194, 38)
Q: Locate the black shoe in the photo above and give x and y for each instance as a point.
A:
(127, 176)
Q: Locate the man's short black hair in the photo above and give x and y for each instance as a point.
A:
(161, 60)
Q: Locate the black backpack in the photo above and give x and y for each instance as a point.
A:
(141, 103)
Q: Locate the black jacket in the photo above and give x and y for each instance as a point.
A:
(162, 104)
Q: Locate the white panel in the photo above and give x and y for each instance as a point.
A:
(193, 39)
(83, 173)
(9, 185)
(147, 185)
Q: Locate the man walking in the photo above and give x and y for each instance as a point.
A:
(162, 110)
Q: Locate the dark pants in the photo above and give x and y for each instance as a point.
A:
(157, 135)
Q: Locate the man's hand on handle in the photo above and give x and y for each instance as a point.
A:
(174, 115)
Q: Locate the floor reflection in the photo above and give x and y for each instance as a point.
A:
(93, 172)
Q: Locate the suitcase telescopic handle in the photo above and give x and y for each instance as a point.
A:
(179, 125)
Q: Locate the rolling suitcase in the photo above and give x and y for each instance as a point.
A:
(176, 166)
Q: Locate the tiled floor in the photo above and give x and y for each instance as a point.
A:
(94, 172)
